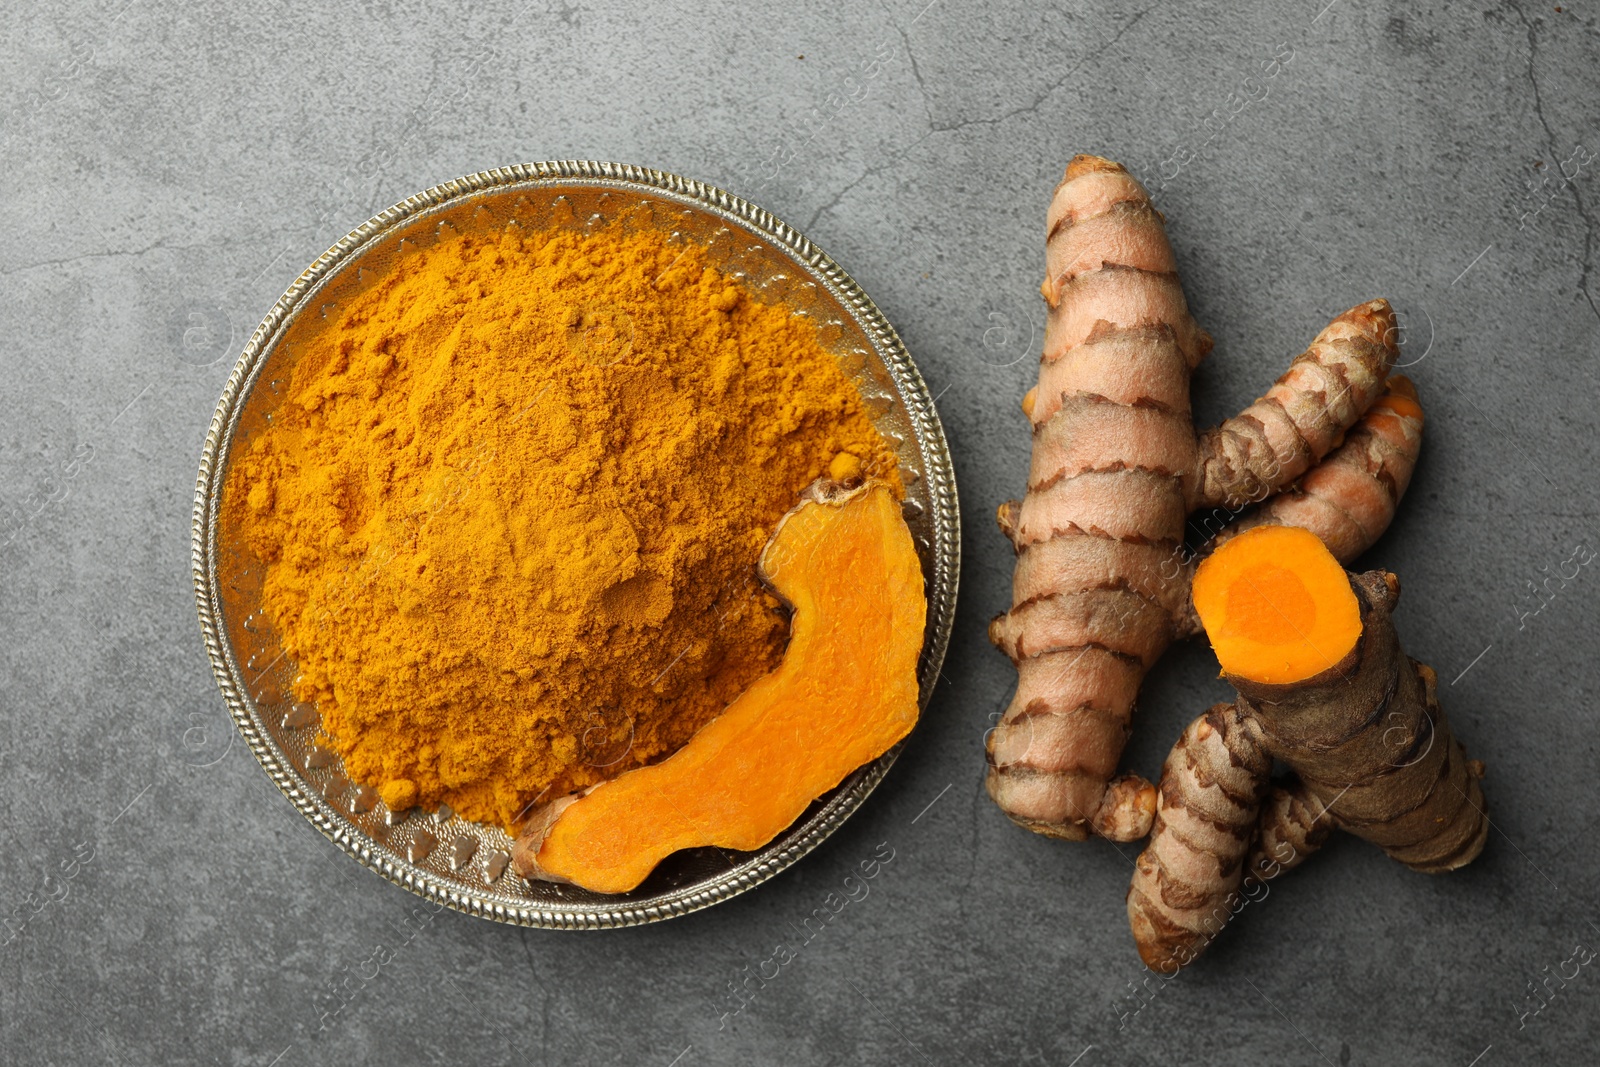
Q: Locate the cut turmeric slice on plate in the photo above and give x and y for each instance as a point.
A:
(844, 694)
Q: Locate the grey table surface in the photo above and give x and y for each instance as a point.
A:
(171, 169)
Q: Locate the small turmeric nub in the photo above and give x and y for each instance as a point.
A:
(845, 467)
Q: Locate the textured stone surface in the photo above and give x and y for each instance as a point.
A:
(170, 170)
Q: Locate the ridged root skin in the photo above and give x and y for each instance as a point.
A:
(1186, 881)
(1371, 754)
(1102, 576)
(1350, 497)
(1095, 597)
(1291, 828)
(1303, 416)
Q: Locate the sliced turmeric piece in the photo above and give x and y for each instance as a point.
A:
(1277, 606)
(845, 692)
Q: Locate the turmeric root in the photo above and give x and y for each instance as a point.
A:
(844, 694)
(1101, 586)
(1324, 687)
(1348, 499)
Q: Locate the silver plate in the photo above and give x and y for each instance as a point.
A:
(438, 854)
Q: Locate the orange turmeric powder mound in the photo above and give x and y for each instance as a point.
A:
(511, 506)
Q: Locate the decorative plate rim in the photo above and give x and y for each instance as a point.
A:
(938, 472)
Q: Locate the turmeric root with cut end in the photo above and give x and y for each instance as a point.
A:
(1324, 687)
(1101, 586)
(844, 694)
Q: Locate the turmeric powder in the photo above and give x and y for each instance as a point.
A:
(511, 506)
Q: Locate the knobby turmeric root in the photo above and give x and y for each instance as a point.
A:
(1348, 499)
(1324, 687)
(844, 694)
(1102, 580)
